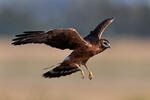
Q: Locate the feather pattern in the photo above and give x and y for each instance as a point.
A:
(59, 38)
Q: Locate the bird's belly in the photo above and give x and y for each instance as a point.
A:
(79, 56)
(77, 59)
(82, 57)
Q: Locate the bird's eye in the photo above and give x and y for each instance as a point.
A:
(105, 43)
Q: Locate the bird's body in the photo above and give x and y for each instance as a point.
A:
(83, 48)
(82, 54)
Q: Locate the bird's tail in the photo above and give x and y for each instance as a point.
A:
(61, 71)
(29, 37)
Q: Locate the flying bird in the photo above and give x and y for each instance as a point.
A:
(83, 48)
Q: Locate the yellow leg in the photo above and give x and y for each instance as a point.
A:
(82, 72)
(90, 73)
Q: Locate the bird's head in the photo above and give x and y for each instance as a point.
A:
(104, 44)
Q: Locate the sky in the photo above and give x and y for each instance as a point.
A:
(47, 14)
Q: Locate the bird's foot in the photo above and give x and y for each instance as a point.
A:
(82, 74)
(90, 75)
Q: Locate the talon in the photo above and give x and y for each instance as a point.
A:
(82, 73)
(90, 75)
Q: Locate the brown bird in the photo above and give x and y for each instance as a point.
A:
(83, 48)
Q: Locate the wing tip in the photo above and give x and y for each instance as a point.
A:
(111, 19)
(15, 43)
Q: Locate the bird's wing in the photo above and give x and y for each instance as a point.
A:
(61, 70)
(96, 34)
(58, 38)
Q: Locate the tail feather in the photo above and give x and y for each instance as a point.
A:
(61, 71)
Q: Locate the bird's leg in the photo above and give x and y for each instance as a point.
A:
(82, 72)
(90, 73)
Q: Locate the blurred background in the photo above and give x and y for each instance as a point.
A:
(120, 73)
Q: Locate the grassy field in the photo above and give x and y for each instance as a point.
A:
(120, 73)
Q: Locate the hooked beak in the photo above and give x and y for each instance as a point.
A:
(108, 47)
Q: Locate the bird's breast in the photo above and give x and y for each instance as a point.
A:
(80, 55)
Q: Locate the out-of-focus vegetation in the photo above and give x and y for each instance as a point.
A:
(120, 73)
(132, 18)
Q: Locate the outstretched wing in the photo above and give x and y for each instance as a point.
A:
(58, 38)
(96, 34)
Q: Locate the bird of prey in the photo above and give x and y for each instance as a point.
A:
(83, 48)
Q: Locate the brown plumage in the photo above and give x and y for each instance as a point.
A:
(83, 49)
